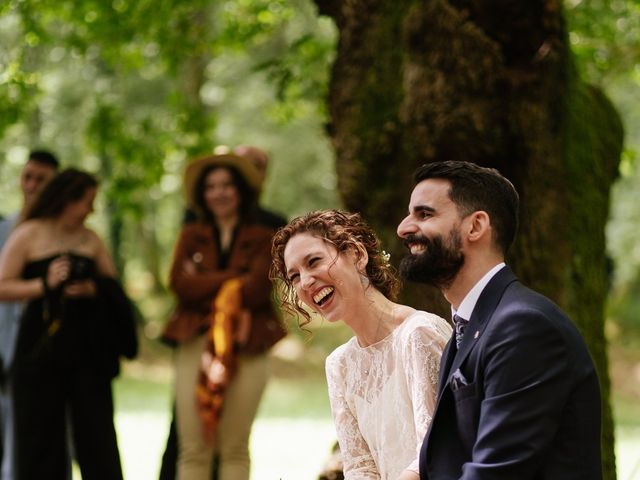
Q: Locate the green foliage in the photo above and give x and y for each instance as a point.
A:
(251, 22)
(17, 86)
(624, 308)
(604, 36)
(132, 89)
(624, 249)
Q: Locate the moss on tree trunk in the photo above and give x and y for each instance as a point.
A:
(490, 82)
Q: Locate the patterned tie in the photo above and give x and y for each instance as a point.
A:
(460, 324)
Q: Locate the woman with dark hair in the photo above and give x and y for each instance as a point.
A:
(220, 262)
(383, 382)
(66, 353)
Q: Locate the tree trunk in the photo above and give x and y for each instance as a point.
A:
(102, 135)
(196, 120)
(492, 82)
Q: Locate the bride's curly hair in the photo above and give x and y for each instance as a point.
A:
(344, 231)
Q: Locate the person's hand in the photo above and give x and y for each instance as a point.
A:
(189, 267)
(58, 272)
(80, 289)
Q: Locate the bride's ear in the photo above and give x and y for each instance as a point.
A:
(362, 257)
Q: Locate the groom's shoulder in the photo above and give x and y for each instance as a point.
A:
(521, 297)
(525, 293)
(526, 313)
(525, 306)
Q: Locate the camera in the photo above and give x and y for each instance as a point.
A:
(80, 268)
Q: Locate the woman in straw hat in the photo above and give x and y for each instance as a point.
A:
(220, 261)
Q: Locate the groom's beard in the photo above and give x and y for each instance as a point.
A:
(438, 265)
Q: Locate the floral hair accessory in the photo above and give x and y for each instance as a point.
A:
(386, 257)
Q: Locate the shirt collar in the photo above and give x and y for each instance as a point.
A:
(469, 301)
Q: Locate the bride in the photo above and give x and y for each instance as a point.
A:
(383, 381)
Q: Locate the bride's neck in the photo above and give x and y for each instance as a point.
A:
(380, 318)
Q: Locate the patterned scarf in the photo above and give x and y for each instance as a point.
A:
(219, 360)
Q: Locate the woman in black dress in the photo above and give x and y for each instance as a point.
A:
(65, 357)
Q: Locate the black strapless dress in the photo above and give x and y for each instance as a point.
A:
(56, 331)
(57, 383)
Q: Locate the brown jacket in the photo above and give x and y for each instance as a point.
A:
(249, 259)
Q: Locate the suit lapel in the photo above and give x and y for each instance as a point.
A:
(448, 355)
(486, 305)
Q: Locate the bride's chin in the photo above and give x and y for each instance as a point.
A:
(332, 316)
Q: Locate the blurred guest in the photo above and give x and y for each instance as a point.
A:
(39, 168)
(260, 160)
(224, 247)
(70, 335)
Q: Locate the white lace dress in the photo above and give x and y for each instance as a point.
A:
(382, 397)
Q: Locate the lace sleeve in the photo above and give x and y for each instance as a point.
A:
(358, 462)
(425, 344)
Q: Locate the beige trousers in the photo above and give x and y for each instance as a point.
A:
(241, 401)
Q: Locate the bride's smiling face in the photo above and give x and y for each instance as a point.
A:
(323, 279)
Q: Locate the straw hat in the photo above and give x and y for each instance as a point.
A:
(248, 171)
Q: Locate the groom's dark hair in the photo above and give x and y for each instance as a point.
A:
(476, 188)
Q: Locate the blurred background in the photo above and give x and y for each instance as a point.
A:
(132, 90)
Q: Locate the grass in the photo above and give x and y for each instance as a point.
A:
(628, 453)
(293, 433)
(628, 449)
(625, 368)
(291, 438)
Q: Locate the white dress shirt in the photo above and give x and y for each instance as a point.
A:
(469, 301)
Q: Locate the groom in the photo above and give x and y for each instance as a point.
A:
(518, 392)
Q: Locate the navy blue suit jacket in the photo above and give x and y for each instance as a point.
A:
(530, 408)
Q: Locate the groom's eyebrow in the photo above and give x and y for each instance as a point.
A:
(423, 208)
